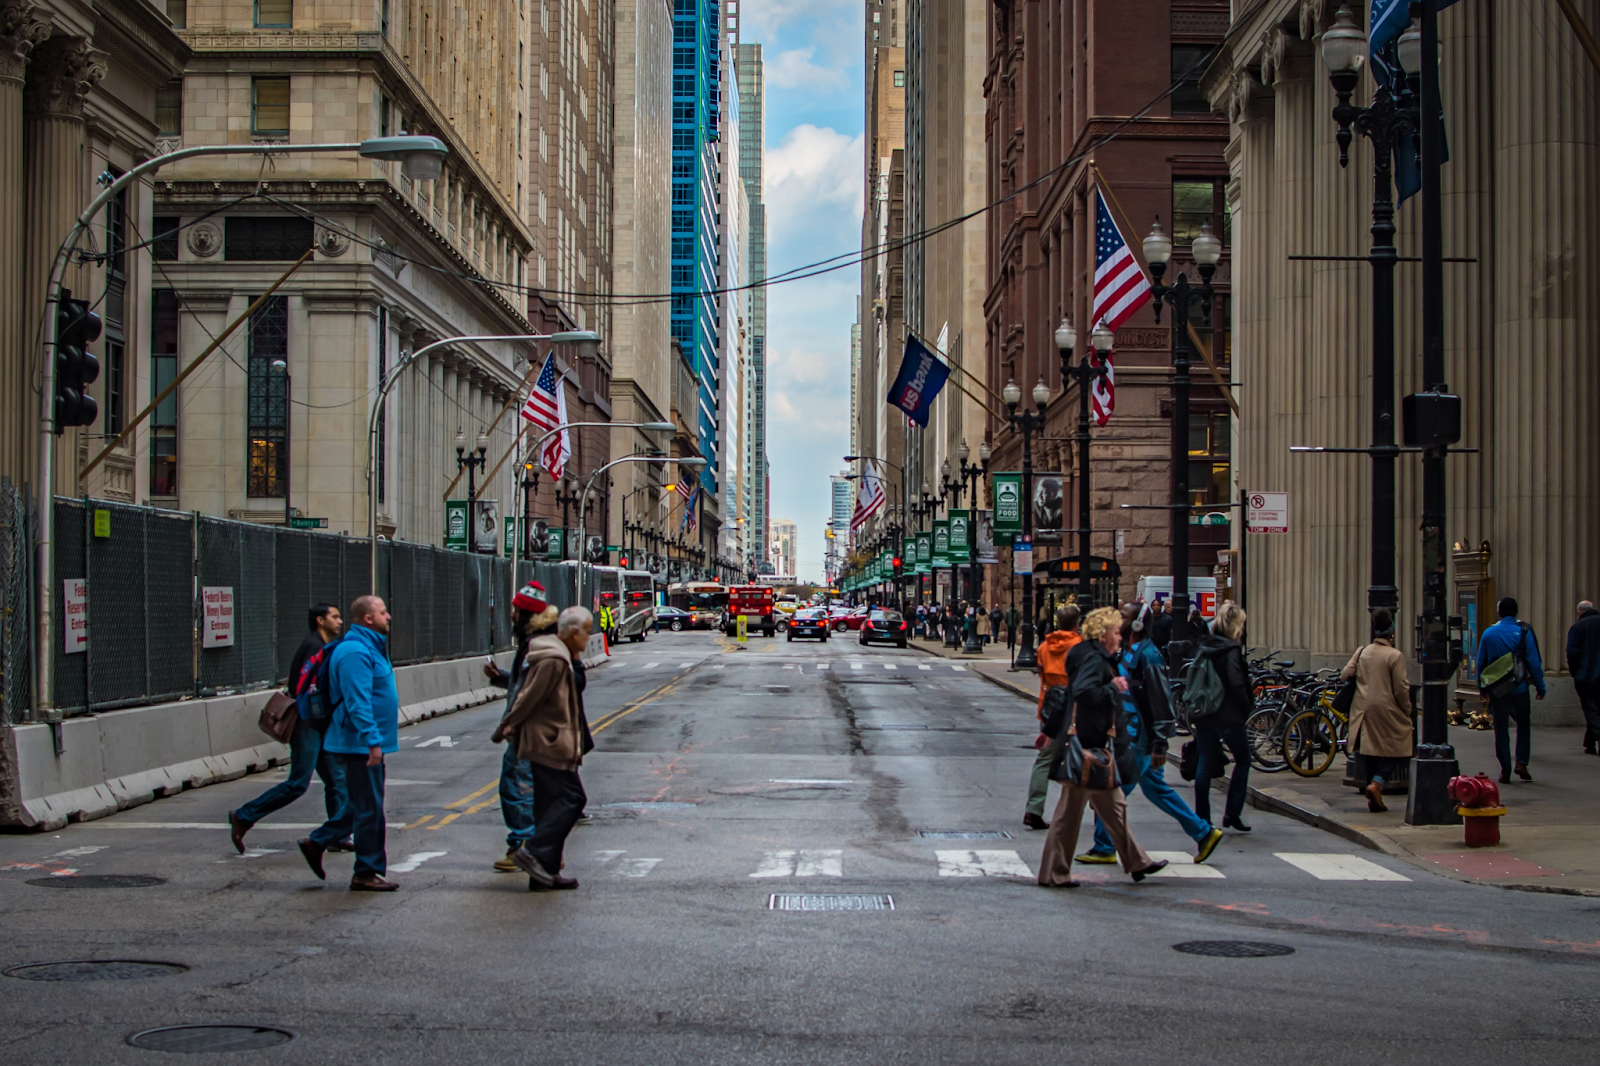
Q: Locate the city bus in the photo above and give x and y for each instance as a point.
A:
(707, 601)
(631, 596)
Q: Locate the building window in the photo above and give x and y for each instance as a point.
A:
(113, 312)
(116, 380)
(266, 239)
(276, 14)
(266, 399)
(1199, 200)
(164, 238)
(178, 14)
(1208, 460)
(169, 109)
(899, 79)
(269, 107)
(163, 368)
(1188, 63)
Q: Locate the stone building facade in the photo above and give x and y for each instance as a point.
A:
(1522, 321)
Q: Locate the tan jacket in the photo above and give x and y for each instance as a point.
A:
(1380, 715)
(545, 720)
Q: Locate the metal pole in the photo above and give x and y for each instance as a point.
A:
(1179, 561)
(1025, 659)
(1085, 592)
(1382, 591)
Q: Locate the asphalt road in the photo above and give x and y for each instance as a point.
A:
(724, 778)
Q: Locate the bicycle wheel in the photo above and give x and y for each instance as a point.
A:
(1263, 732)
(1310, 741)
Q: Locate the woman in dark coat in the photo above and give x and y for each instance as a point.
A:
(1222, 647)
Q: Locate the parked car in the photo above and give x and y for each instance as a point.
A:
(675, 619)
(886, 627)
(809, 622)
(848, 618)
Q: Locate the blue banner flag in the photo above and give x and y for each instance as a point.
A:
(921, 377)
(1389, 19)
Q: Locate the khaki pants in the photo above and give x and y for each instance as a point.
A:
(1055, 865)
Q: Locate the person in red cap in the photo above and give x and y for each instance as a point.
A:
(531, 615)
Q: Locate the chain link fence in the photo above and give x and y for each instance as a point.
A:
(137, 590)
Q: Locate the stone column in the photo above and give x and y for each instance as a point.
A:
(1547, 317)
(60, 75)
(20, 31)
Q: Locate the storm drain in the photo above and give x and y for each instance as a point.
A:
(963, 834)
(196, 1039)
(789, 901)
(1233, 949)
(95, 970)
(99, 881)
(646, 806)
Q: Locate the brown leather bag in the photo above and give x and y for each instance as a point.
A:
(279, 716)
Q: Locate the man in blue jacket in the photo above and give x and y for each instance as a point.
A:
(1583, 663)
(364, 727)
(1502, 645)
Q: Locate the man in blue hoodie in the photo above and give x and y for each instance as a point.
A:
(365, 726)
(1502, 646)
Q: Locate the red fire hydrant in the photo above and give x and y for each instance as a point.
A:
(1478, 801)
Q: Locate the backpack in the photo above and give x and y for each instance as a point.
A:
(1509, 672)
(315, 693)
(1202, 689)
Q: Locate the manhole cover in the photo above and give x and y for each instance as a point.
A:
(94, 970)
(204, 1038)
(650, 806)
(1233, 949)
(99, 881)
(782, 901)
(963, 834)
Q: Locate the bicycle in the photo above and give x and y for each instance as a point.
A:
(1315, 735)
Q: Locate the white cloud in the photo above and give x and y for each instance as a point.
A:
(811, 167)
(794, 70)
(762, 19)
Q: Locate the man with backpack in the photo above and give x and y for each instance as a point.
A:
(305, 745)
(363, 725)
(1508, 659)
(1053, 651)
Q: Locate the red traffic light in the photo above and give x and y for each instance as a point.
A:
(624, 562)
(897, 563)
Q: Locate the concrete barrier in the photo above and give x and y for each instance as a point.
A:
(119, 759)
(597, 650)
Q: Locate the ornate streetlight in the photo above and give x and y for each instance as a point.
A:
(472, 461)
(1028, 423)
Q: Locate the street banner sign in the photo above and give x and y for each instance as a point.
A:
(216, 618)
(924, 551)
(920, 378)
(555, 545)
(510, 549)
(455, 525)
(908, 557)
(960, 525)
(1047, 508)
(75, 615)
(941, 543)
(1007, 504)
(486, 520)
(984, 531)
(1266, 512)
(1022, 555)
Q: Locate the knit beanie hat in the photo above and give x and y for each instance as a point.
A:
(530, 598)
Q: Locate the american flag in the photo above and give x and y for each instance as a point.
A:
(1103, 393)
(869, 499)
(685, 489)
(546, 409)
(1120, 287)
(690, 519)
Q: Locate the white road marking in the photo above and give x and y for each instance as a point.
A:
(958, 667)
(684, 666)
(443, 742)
(603, 857)
(1181, 864)
(636, 867)
(788, 666)
(856, 666)
(808, 781)
(1334, 867)
(73, 853)
(649, 666)
(922, 666)
(890, 666)
(393, 781)
(981, 864)
(414, 860)
(258, 827)
(775, 864)
(822, 666)
(256, 853)
(720, 666)
(823, 862)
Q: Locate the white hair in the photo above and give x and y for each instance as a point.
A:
(573, 619)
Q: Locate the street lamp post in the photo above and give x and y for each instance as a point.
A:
(1085, 373)
(969, 473)
(1028, 423)
(1207, 250)
(473, 461)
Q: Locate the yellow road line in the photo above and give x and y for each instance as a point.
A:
(485, 805)
(419, 821)
(464, 800)
(447, 819)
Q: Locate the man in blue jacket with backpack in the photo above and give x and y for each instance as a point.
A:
(1508, 659)
(364, 726)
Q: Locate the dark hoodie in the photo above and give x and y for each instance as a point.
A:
(1094, 705)
(1228, 659)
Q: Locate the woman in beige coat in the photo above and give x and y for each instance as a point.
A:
(1380, 715)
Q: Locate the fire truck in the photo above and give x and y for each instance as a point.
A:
(755, 603)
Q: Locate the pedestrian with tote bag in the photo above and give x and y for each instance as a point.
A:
(1086, 761)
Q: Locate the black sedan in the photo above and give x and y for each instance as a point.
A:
(885, 626)
(674, 618)
(809, 622)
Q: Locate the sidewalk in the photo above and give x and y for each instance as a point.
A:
(1550, 835)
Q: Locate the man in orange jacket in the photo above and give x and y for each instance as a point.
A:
(1052, 657)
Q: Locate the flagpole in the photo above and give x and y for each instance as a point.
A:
(516, 397)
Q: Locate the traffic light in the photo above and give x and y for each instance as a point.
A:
(623, 561)
(76, 367)
(896, 562)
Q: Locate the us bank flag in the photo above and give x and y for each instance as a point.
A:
(921, 377)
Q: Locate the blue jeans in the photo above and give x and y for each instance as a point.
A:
(1152, 782)
(1513, 708)
(305, 755)
(362, 817)
(516, 796)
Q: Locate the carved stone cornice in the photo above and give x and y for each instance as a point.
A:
(60, 74)
(1313, 13)
(22, 29)
(1248, 100)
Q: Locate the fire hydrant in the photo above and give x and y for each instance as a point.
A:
(1478, 801)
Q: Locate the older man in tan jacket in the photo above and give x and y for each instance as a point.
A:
(1380, 714)
(545, 722)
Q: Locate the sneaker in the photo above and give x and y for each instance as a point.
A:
(532, 867)
(1100, 858)
(507, 865)
(1208, 845)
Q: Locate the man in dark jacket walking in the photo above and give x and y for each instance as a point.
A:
(1013, 616)
(1583, 663)
(531, 615)
(305, 746)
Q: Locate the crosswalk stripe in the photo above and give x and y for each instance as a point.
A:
(414, 860)
(720, 666)
(1181, 864)
(923, 666)
(822, 666)
(890, 666)
(804, 862)
(1335, 867)
(684, 666)
(649, 666)
(856, 666)
(775, 864)
(958, 667)
(981, 864)
(636, 867)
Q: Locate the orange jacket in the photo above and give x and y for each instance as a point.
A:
(1052, 657)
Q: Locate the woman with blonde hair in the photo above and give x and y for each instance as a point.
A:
(1089, 712)
(1222, 650)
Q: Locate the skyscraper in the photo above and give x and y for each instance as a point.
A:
(752, 152)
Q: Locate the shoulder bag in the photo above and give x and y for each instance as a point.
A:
(279, 716)
(1090, 768)
(1345, 698)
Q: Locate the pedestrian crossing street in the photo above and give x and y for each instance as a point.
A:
(662, 666)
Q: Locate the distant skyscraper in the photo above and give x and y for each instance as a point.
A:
(752, 151)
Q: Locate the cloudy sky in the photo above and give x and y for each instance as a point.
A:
(813, 52)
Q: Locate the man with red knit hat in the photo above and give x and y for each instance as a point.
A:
(531, 615)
